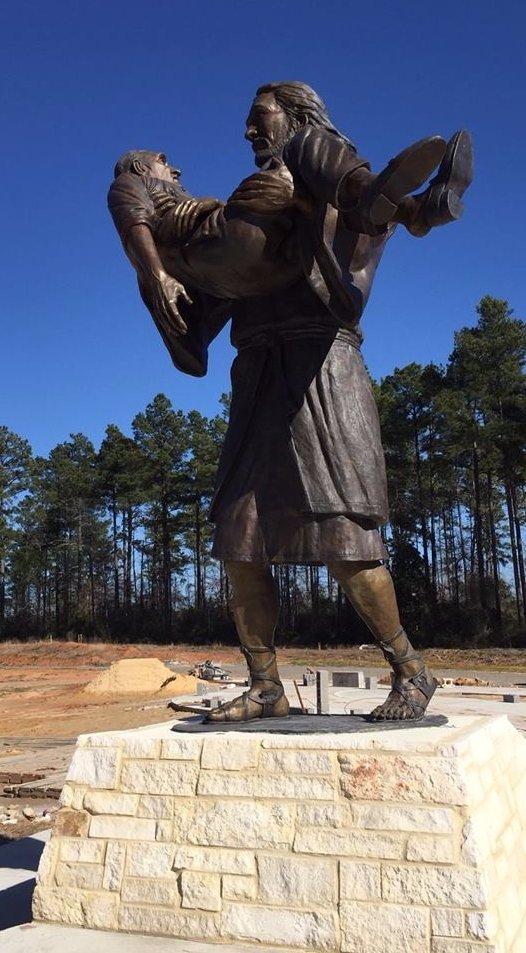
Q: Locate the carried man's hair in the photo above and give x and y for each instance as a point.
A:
(303, 107)
(126, 161)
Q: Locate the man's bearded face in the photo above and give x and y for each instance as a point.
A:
(159, 168)
(268, 128)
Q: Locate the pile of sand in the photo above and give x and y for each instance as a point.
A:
(141, 676)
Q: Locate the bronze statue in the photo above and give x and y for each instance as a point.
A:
(291, 258)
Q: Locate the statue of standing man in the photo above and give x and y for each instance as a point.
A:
(302, 477)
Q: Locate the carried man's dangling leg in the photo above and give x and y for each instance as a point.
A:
(255, 608)
(369, 587)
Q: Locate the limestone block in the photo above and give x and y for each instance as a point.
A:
(48, 860)
(235, 887)
(163, 921)
(114, 866)
(200, 891)
(433, 886)
(100, 911)
(242, 824)
(182, 747)
(295, 881)
(434, 850)
(162, 891)
(481, 925)
(95, 767)
(403, 817)
(111, 802)
(315, 930)
(439, 945)
(447, 922)
(231, 784)
(359, 881)
(80, 876)
(215, 859)
(399, 778)
(296, 762)
(374, 927)
(58, 905)
(184, 813)
(80, 851)
(154, 805)
(473, 842)
(72, 795)
(159, 777)
(123, 828)
(347, 843)
(164, 830)
(135, 746)
(324, 814)
(69, 823)
(149, 860)
(230, 752)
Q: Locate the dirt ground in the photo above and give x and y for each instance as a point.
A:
(41, 682)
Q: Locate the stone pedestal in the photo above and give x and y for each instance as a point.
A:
(407, 840)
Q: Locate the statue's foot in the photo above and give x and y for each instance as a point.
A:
(442, 201)
(407, 700)
(402, 175)
(252, 705)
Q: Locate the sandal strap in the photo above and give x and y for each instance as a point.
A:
(397, 661)
(267, 702)
(403, 688)
(261, 671)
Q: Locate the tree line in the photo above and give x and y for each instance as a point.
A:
(115, 543)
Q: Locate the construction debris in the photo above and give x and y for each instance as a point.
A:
(210, 672)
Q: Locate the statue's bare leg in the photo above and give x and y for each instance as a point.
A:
(369, 587)
(255, 608)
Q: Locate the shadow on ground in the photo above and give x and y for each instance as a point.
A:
(18, 860)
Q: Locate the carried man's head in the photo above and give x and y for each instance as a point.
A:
(142, 162)
(279, 111)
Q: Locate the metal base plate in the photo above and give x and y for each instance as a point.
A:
(309, 725)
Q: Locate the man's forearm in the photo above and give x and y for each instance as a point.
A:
(142, 252)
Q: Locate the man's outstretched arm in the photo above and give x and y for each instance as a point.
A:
(161, 290)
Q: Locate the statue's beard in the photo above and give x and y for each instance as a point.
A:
(271, 150)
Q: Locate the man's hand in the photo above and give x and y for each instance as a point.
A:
(185, 216)
(265, 193)
(164, 293)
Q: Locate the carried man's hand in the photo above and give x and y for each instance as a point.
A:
(165, 293)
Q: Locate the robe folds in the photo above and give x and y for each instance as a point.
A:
(302, 474)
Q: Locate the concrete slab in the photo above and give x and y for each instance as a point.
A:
(51, 938)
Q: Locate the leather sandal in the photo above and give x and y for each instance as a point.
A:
(272, 704)
(272, 701)
(411, 689)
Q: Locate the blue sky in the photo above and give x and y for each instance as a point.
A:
(86, 81)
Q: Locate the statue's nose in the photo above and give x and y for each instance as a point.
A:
(250, 132)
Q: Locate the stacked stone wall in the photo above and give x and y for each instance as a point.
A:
(406, 841)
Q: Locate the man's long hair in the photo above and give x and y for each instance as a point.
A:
(302, 106)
